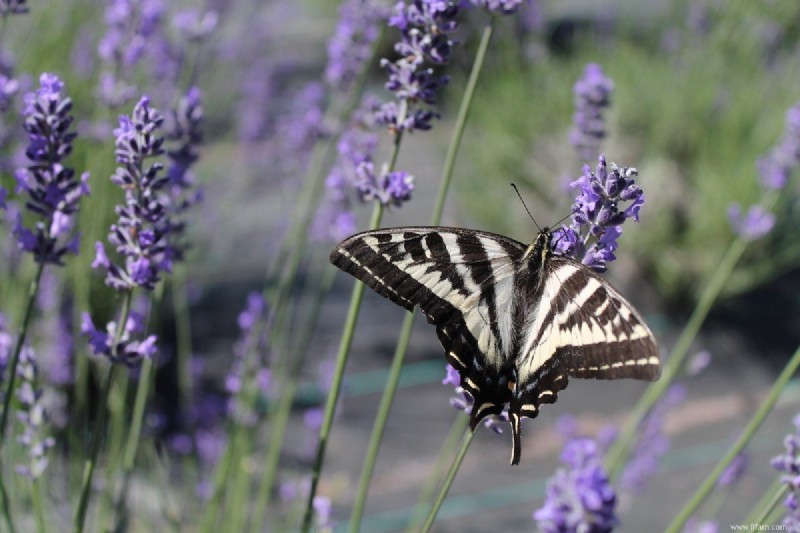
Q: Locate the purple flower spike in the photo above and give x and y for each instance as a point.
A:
(33, 417)
(653, 443)
(776, 167)
(386, 187)
(735, 470)
(351, 44)
(53, 190)
(592, 97)
(142, 231)
(250, 353)
(597, 214)
(789, 465)
(187, 133)
(580, 496)
(425, 27)
(754, 225)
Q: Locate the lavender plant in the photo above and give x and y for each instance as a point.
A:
(53, 196)
(789, 465)
(140, 237)
(592, 97)
(579, 497)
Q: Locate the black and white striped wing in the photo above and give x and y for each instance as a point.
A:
(580, 327)
(463, 281)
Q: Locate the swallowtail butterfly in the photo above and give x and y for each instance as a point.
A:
(516, 321)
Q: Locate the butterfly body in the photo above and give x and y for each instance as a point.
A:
(516, 321)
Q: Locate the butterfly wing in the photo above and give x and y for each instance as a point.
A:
(580, 327)
(463, 281)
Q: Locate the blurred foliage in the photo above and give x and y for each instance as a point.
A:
(700, 94)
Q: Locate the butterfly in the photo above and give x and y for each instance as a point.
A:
(516, 321)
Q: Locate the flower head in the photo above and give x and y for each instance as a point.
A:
(425, 27)
(250, 353)
(129, 351)
(351, 44)
(35, 431)
(776, 167)
(579, 497)
(754, 225)
(789, 464)
(653, 443)
(141, 233)
(592, 97)
(598, 213)
(53, 190)
(385, 187)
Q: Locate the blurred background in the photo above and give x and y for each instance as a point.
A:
(701, 90)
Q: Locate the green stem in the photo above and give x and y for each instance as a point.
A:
(460, 425)
(91, 462)
(767, 505)
(23, 333)
(97, 438)
(405, 332)
(132, 442)
(615, 458)
(279, 418)
(336, 384)
(7, 517)
(750, 430)
(347, 339)
(380, 423)
(37, 503)
(448, 482)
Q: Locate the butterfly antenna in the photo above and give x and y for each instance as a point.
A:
(562, 220)
(526, 207)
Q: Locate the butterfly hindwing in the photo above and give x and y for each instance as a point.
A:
(582, 327)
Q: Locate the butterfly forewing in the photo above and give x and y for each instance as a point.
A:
(463, 281)
(515, 321)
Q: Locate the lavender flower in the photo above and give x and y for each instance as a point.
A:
(652, 443)
(776, 167)
(193, 26)
(53, 190)
(354, 169)
(425, 27)
(698, 362)
(305, 124)
(131, 24)
(463, 401)
(754, 225)
(32, 416)
(735, 470)
(128, 351)
(252, 340)
(385, 187)
(596, 214)
(186, 132)
(592, 97)
(579, 498)
(12, 7)
(789, 464)
(143, 228)
(6, 343)
(351, 44)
